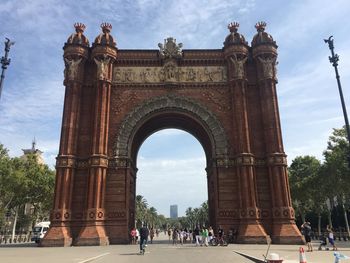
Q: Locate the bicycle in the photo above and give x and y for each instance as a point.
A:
(216, 240)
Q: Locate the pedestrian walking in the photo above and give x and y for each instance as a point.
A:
(210, 233)
(144, 232)
(197, 235)
(175, 236)
(169, 234)
(133, 236)
(331, 237)
(151, 235)
(306, 230)
(204, 236)
(137, 236)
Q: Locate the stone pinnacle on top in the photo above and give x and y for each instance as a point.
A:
(233, 26)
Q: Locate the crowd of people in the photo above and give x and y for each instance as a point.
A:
(199, 236)
(203, 236)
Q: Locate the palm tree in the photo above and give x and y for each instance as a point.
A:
(152, 216)
(190, 217)
(203, 213)
(141, 210)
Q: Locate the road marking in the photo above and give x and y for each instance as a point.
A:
(91, 259)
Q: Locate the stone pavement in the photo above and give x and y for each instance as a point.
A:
(159, 252)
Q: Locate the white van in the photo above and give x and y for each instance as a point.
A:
(39, 231)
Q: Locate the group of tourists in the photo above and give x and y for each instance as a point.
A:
(327, 237)
(201, 236)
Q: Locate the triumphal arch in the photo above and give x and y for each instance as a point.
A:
(116, 98)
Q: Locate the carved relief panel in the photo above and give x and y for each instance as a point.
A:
(169, 73)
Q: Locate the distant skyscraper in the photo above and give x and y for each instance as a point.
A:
(173, 211)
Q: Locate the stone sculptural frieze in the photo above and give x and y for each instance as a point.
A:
(169, 73)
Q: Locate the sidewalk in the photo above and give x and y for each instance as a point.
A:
(161, 252)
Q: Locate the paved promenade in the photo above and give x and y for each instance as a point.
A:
(160, 252)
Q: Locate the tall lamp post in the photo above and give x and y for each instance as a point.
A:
(5, 61)
(334, 61)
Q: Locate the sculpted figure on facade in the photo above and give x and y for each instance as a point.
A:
(102, 67)
(268, 66)
(223, 73)
(209, 74)
(191, 75)
(170, 72)
(147, 75)
(129, 76)
(71, 69)
(238, 66)
(117, 76)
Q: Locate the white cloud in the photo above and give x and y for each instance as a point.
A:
(246, 7)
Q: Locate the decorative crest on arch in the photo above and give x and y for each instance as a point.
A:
(171, 102)
(170, 49)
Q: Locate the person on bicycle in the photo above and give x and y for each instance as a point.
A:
(144, 232)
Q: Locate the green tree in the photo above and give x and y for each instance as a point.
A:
(190, 216)
(302, 174)
(34, 185)
(203, 214)
(5, 180)
(40, 187)
(337, 171)
(141, 210)
(152, 217)
(25, 181)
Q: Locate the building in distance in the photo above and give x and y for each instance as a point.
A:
(35, 152)
(173, 211)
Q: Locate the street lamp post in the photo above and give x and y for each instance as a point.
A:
(334, 61)
(5, 61)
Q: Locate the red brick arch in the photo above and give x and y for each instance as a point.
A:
(115, 99)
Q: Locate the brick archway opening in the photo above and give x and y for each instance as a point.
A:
(180, 121)
(171, 111)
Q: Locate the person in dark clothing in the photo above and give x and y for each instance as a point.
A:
(306, 230)
(220, 232)
(144, 232)
(197, 236)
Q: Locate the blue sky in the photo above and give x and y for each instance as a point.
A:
(32, 99)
